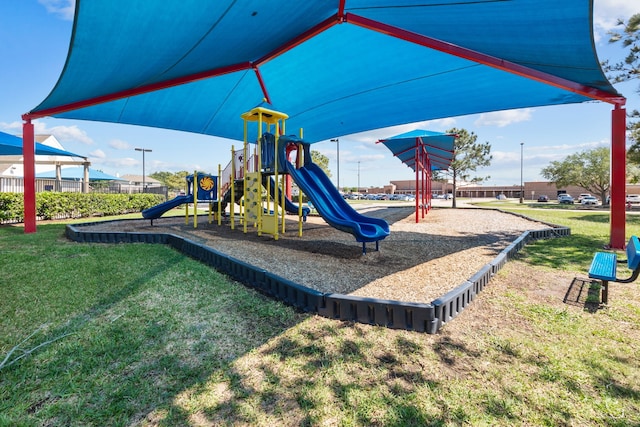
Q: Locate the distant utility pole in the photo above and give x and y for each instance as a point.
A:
(144, 150)
(521, 164)
(337, 141)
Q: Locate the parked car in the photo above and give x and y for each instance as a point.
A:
(565, 199)
(589, 200)
(582, 196)
(543, 198)
(633, 198)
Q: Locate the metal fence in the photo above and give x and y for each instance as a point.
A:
(16, 185)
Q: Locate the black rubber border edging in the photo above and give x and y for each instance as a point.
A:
(419, 317)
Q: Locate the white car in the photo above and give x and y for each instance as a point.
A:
(633, 198)
(582, 196)
(588, 200)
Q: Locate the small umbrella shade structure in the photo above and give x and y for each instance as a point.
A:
(423, 151)
(334, 68)
(77, 174)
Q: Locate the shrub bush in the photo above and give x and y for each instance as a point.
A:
(50, 205)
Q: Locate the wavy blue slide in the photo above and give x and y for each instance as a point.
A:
(157, 211)
(329, 203)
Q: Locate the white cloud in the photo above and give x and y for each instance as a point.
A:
(370, 157)
(607, 14)
(570, 149)
(62, 133)
(65, 9)
(124, 162)
(118, 144)
(504, 118)
(97, 154)
(69, 133)
(14, 128)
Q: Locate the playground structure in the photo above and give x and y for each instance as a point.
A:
(205, 192)
(260, 184)
(256, 184)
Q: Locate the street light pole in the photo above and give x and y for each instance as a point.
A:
(337, 141)
(358, 176)
(521, 165)
(144, 150)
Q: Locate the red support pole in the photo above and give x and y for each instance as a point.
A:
(618, 178)
(422, 193)
(29, 179)
(416, 159)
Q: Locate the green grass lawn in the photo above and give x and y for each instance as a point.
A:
(134, 334)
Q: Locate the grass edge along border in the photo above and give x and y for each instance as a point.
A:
(419, 317)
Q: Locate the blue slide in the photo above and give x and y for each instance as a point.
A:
(327, 200)
(157, 211)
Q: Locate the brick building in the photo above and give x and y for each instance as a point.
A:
(532, 190)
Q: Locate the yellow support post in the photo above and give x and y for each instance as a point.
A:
(195, 199)
(259, 172)
(219, 195)
(299, 155)
(186, 209)
(232, 180)
(245, 162)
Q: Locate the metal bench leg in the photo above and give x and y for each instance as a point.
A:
(605, 291)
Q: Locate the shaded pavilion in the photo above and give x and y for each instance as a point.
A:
(11, 149)
(423, 151)
(335, 67)
(78, 174)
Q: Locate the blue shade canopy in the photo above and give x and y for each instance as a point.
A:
(196, 66)
(77, 173)
(439, 146)
(11, 145)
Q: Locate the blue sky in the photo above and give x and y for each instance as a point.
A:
(34, 38)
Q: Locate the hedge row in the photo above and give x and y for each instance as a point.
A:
(50, 205)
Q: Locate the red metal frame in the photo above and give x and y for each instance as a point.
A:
(481, 58)
(310, 33)
(617, 222)
(423, 179)
(29, 177)
(137, 91)
(262, 85)
(618, 115)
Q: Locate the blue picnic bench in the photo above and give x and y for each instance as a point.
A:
(604, 266)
